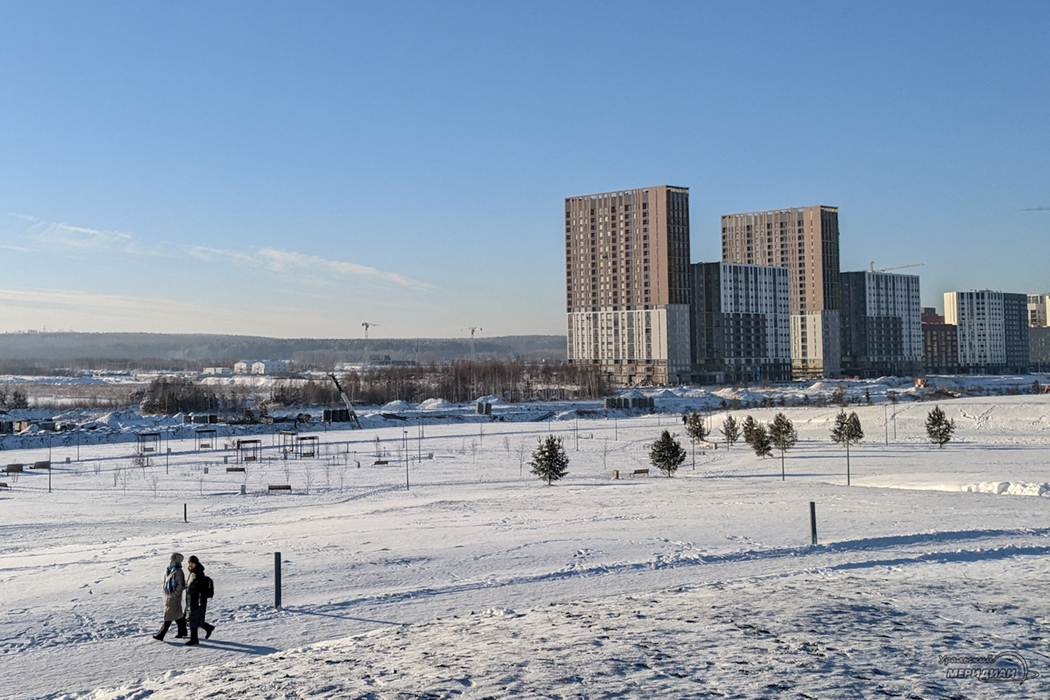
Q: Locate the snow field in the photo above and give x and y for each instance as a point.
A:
(80, 567)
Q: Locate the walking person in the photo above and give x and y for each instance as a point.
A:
(174, 585)
(198, 590)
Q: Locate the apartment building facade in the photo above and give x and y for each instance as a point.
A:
(741, 323)
(627, 284)
(1037, 310)
(882, 332)
(804, 240)
(992, 330)
(940, 344)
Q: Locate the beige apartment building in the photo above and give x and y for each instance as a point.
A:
(805, 240)
(627, 284)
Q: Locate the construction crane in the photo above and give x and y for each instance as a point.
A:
(368, 325)
(897, 267)
(354, 420)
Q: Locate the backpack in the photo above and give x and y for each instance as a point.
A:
(207, 587)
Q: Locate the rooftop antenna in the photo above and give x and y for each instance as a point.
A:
(368, 325)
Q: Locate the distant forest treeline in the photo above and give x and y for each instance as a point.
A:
(62, 353)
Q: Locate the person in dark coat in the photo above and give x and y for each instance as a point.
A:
(174, 585)
(196, 602)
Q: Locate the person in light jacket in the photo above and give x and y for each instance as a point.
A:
(196, 602)
(174, 585)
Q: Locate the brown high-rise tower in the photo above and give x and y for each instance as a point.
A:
(627, 283)
(805, 241)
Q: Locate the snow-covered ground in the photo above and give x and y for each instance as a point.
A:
(480, 581)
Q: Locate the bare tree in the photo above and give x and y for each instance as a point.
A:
(308, 475)
(154, 483)
(473, 452)
(605, 450)
(523, 456)
(125, 477)
(506, 444)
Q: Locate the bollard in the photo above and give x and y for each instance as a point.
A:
(184, 513)
(277, 579)
(813, 521)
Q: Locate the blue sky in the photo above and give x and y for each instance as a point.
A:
(296, 169)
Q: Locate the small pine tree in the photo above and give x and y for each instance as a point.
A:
(847, 431)
(667, 454)
(549, 461)
(1035, 386)
(696, 430)
(783, 435)
(748, 429)
(760, 442)
(939, 428)
(730, 430)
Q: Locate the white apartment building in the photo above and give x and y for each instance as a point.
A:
(1037, 310)
(980, 320)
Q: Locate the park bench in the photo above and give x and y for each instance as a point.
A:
(12, 468)
(41, 465)
(379, 463)
(280, 487)
(3, 485)
(234, 469)
(641, 472)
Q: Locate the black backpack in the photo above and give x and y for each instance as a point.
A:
(207, 587)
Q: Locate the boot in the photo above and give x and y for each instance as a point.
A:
(193, 636)
(181, 623)
(159, 636)
(208, 629)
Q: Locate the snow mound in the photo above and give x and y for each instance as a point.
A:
(435, 404)
(123, 419)
(1017, 488)
(491, 398)
(632, 394)
(500, 612)
(665, 394)
(398, 405)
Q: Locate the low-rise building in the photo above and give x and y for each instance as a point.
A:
(940, 345)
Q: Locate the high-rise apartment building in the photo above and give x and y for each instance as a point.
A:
(805, 240)
(741, 323)
(1037, 310)
(881, 324)
(992, 330)
(627, 282)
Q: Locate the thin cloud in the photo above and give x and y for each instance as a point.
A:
(300, 267)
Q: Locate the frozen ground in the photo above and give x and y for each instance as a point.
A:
(480, 581)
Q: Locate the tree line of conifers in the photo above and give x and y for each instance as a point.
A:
(550, 461)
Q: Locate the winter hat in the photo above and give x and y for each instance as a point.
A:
(194, 559)
(176, 557)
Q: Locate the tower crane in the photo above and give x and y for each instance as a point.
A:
(354, 420)
(368, 325)
(896, 267)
